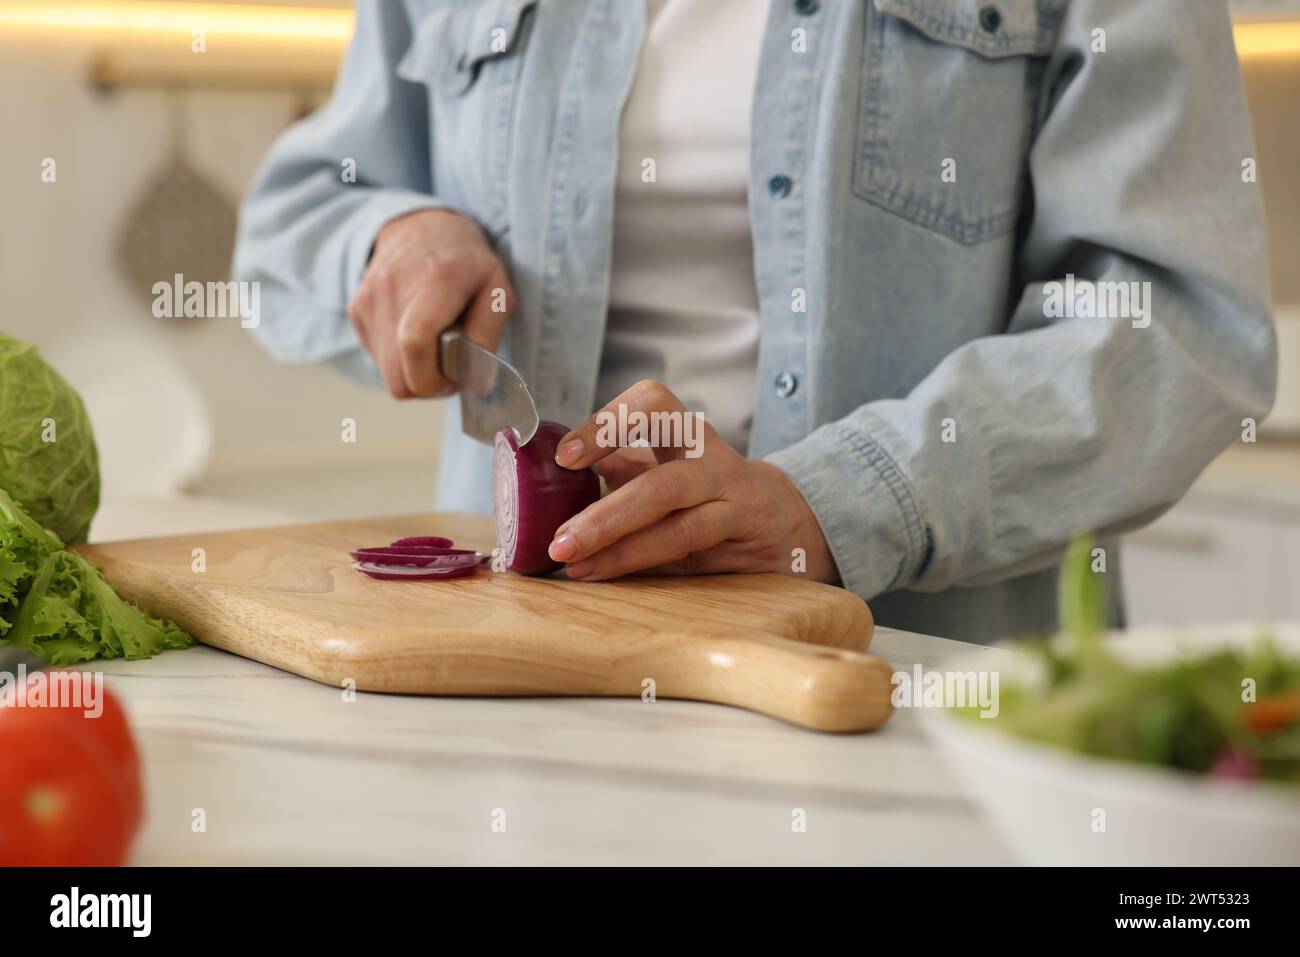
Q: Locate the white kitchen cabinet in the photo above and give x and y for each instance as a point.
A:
(1230, 550)
(1201, 563)
(1288, 574)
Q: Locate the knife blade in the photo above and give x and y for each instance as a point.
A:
(493, 394)
(11, 656)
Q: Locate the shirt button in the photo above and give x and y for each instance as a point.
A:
(990, 18)
(806, 7)
(780, 186)
(786, 383)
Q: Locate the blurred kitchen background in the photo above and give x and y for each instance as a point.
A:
(199, 429)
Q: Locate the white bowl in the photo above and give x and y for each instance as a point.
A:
(1046, 802)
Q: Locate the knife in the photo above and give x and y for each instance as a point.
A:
(493, 394)
(11, 657)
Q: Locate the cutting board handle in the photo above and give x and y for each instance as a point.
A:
(814, 686)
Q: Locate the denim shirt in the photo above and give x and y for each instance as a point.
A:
(931, 184)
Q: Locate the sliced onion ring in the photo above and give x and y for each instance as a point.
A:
(427, 557)
(410, 573)
(424, 541)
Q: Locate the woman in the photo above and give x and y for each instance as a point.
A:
(950, 279)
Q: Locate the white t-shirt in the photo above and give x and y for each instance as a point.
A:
(683, 302)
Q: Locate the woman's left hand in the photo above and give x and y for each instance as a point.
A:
(670, 512)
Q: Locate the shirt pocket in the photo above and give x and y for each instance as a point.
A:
(468, 54)
(946, 109)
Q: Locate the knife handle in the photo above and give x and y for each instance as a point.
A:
(449, 343)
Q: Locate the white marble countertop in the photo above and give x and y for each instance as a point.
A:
(286, 772)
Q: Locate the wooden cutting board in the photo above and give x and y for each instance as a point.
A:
(288, 596)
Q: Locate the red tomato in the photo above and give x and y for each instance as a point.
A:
(60, 805)
(71, 781)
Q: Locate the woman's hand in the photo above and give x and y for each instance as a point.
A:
(427, 269)
(670, 513)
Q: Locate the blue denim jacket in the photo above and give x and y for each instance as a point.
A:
(923, 174)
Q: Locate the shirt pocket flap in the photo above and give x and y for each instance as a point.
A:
(452, 42)
(991, 28)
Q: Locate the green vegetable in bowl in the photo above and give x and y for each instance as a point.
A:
(1192, 713)
(48, 460)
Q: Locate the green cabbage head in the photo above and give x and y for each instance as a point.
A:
(48, 461)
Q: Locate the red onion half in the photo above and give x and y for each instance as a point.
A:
(532, 496)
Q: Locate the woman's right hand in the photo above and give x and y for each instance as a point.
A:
(428, 269)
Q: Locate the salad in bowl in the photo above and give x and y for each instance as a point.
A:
(1157, 746)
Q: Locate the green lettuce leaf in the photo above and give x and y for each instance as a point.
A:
(57, 605)
(70, 614)
(24, 545)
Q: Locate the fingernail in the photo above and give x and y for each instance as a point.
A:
(580, 569)
(563, 548)
(569, 452)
